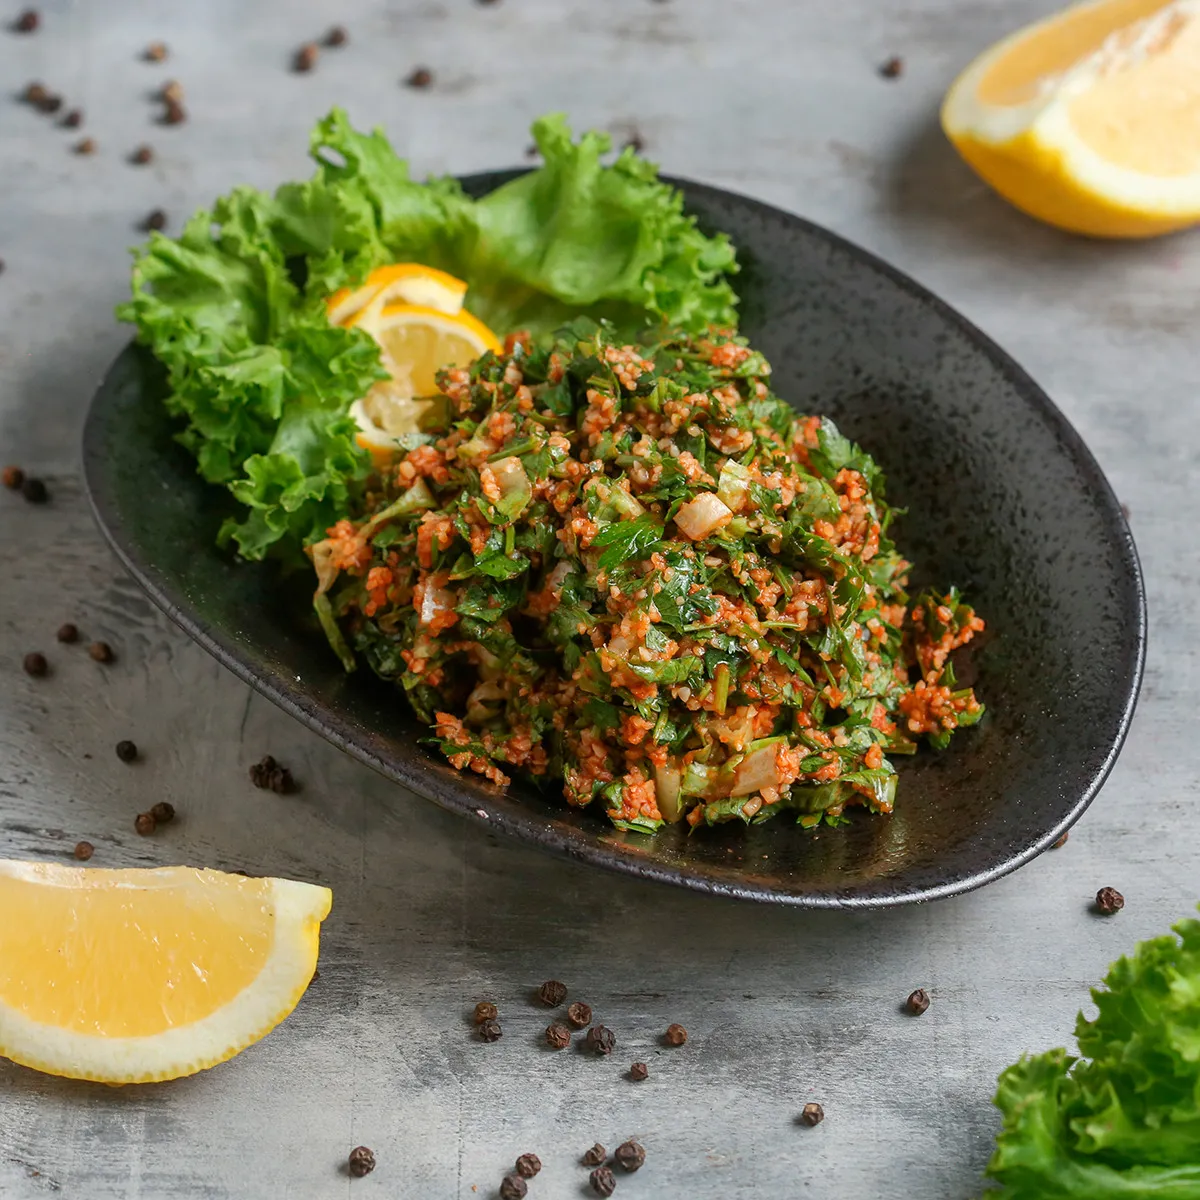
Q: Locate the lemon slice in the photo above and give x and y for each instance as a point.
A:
(131, 976)
(398, 283)
(415, 342)
(1090, 119)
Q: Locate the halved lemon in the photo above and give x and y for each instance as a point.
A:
(398, 283)
(132, 976)
(415, 342)
(1090, 119)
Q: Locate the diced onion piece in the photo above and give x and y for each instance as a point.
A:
(483, 695)
(435, 602)
(666, 792)
(756, 771)
(733, 485)
(702, 516)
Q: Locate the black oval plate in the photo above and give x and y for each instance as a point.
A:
(1002, 498)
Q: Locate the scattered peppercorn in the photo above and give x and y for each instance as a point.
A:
(1109, 901)
(918, 1002)
(268, 774)
(629, 1155)
(1062, 841)
(34, 93)
(421, 77)
(490, 1031)
(12, 478)
(597, 1154)
(528, 1165)
(155, 221)
(67, 633)
(145, 824)
(155, 52)
(35, 664)
(73, 119)
(635, 143)
(141, 156)
(127, 752)
(531, 151)
(84, 851)
(485, 1010)
(558, 1036)
(337, 36)
(163, 812)
(34, 491)
(305, 58)
(28, 21)
(893, 68)
(50, 103)
(513, 1187)
(638, 1072)
(361, 1162)
(600, 1040)
(603, 1181)
(102, 652)
(86, 146)
(171, 92)
(676, 1035)
(176, 114)
(813, 1114)
(552, 993)
(579, 1014)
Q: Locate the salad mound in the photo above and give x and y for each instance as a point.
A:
(633, 569)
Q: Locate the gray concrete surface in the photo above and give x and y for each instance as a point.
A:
(779, 99)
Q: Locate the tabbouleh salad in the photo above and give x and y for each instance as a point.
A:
(609, 558)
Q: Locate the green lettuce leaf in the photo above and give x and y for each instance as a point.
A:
(1123, 1121)
(235, 307)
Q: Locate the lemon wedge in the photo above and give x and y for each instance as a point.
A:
(132, 976)
(415, 342)
(398, 283)
(1090, 119)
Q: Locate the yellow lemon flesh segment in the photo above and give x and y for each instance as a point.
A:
(415, 343)
(1090, 119)
(131, 976)
(404, 283)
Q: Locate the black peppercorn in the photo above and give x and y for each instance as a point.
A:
(12, 478)
(337, 36)
(1109, 901)
(676, 1035)
(306, 58)
(579, 1014)
(597, 1154)
(490, 1031)
(28, 21)
(638, 1072)
(600, 1039)
(155, 222)
(528, 1165)
(558, 1036)
(34, 491)
(67, 633)
(361, 1162)
(141, 156)
(421, 77)
(812, 1114)
(513, 1187)
(145, 824)
(84, 851)
(485, 1010)
(86, 146)
(155, 52)
(73, 119)
(127, 752)
(35, 93)
(35, 664)
(102, 652)
(552, 993)
(629, 1155)
(893, 68)
(175, 113)
(918, 1002)
(603, 1181)
(171, 92)
(163, 812)
(1062, 841)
